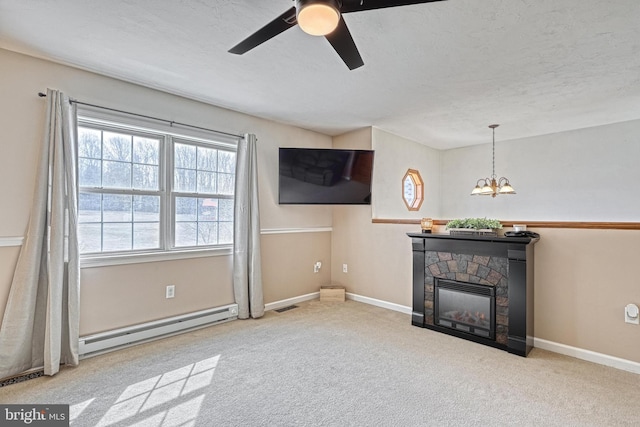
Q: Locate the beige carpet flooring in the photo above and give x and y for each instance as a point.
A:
(333, 364)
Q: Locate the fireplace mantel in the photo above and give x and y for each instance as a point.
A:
(443, 256)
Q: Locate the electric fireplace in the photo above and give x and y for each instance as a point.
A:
(479, 288)
(465, 307)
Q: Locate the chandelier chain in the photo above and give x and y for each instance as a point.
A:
(493, 175)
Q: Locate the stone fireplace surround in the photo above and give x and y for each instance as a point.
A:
(500, 262)
(483, 270)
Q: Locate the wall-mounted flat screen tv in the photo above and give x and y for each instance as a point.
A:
(320, 176)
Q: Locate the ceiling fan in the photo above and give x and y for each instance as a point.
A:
(322, 18)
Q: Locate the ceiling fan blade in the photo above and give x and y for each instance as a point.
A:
(360, 5)
(344, 45)
(272, 29)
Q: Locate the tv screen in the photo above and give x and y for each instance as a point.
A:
(320, 176)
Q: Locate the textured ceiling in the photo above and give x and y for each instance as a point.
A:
(436, 73)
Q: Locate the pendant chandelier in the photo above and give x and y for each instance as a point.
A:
(492, 186)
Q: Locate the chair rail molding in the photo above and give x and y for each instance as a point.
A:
(603, 225)
(11, 241)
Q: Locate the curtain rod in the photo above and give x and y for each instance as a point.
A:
(171, 122)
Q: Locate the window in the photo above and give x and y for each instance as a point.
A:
(412, 190)
(144, 191)
(203, 182)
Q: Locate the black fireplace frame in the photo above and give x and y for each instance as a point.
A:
(519, 253)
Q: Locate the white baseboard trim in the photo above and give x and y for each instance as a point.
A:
(379, 303)
(290, 301)
(588, 355)
(355, 297)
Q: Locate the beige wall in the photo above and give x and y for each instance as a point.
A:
(117, 296)
(287, 264)
(378, 256)
(581, 175)
(583, 277)
(123, 295)
(583, 280)
(394, 156)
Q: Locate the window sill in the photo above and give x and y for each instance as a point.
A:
(121, 259)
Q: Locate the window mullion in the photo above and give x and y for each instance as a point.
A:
(167, 214)
(98, 190)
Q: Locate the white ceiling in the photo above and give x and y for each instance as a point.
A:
(437, 73)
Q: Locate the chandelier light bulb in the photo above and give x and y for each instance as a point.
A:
(506, 188)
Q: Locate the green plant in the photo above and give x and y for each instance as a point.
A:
(474, 223)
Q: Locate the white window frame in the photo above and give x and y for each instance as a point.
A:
(111, 121)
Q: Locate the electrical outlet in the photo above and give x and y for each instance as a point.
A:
(345, 269)
(632, 314)
(171, 291)
(317, 266)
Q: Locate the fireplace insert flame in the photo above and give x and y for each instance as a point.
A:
(465, 307)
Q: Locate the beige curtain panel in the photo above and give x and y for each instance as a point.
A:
(247, 268)
(41, 322)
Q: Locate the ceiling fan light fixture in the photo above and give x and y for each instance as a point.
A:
(317, 17)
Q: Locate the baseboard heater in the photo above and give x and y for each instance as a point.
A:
(103, 342)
